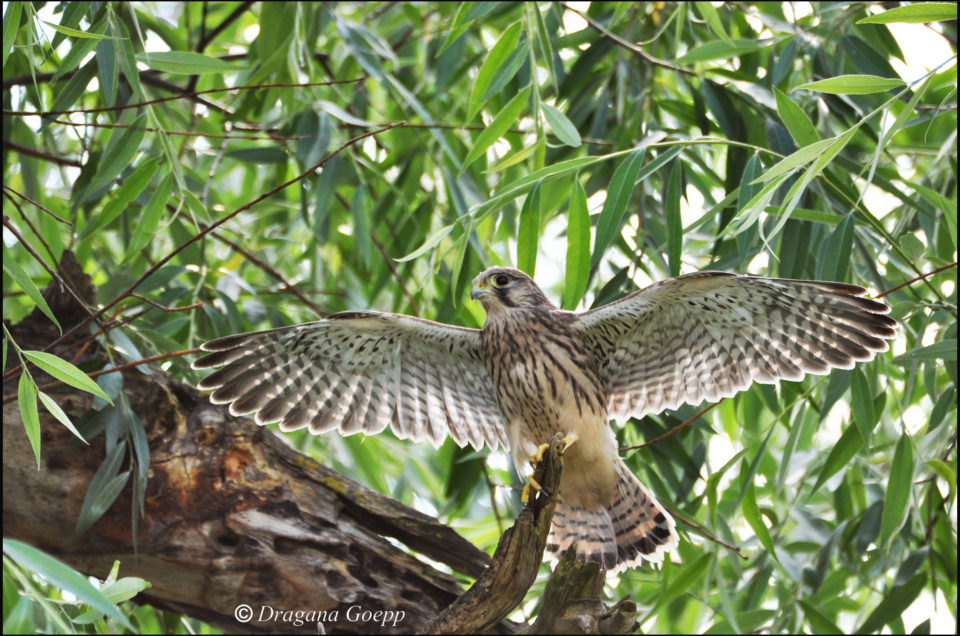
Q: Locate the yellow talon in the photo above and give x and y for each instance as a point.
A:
(538, 456)
(531, 485)
(568, 442)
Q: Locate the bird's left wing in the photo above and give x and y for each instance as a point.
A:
(360, 371)
(709, 335)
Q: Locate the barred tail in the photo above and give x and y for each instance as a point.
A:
(634, 528)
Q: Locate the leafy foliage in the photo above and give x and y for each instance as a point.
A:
(257, 167)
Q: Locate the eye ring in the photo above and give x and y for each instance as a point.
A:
(500, 280)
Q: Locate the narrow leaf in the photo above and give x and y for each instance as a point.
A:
(528, 232)
(65, 372)
(852, 85)
(185, 63)
(62, 576)
(946, 350)
(562, 127)
(751, 512)
(899, 487)
(840, 455)
(861, 403)
(506, 118)
(915, 13)
(27, 399)
(795, 120)
(615, 206)
(58, 413)
(578, 248)
(671, 202)
(23, 281)
(893, 604)
(497, 57)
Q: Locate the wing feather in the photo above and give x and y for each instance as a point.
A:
(709, 335)
(360, 372)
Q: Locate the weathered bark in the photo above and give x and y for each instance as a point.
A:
(233, 516)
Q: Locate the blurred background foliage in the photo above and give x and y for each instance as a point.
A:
(599, 146)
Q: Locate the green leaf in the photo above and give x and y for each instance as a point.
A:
(751, 512)
(712, 18)
(150, 219)
(122, 148)
(124, 196)
(65, 372)
(11, 24)
(361, 226)
(899, 487)
(495, 61)
(718, 49)
(58, 413)
(861, 403)
(820, 623)
(689, 575)
(578, 248)
(852, 85)
(893, 605)
(915, 13)
(506, 118)
(944, 472)
(107, 484)
(798, 159)
(562, 127)
(835, 259)
(840, 455)
(795, 120)
(23, 282)
(428, 244)
(946, 350)
(615, 206)
(62, 576)
(185, 63)
(27, 399)
(528, 232)
(671, 201)
(76, 33)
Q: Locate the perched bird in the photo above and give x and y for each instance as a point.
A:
(535, 370)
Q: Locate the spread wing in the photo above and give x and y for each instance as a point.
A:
(360, 371)
(709, 335)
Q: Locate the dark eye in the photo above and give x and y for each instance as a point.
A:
(501, 280)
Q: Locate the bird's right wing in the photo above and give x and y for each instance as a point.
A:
(358, 372)
(709, 335)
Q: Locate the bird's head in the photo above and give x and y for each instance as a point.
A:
(502, 289)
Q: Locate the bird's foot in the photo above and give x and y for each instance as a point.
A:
(537, 457)
(532, 486)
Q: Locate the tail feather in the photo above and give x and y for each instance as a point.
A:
(592, 530)
(634, 528)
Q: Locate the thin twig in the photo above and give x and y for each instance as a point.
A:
(272, 272)
(37, 205)
(671, 431)
(39, 154)
(627, 45)
(176, 97)
(913, 280)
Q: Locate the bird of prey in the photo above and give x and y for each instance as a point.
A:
(535, 370)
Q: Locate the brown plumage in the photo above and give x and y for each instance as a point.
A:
(534, 370)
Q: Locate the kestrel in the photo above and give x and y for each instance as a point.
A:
(535, 370)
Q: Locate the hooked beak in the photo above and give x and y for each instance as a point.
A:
(478, 292)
